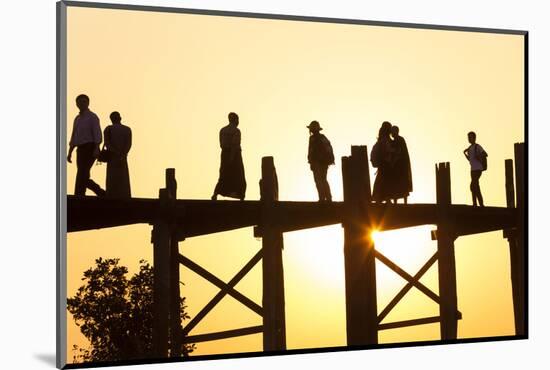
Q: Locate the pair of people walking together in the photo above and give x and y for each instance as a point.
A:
(86, 137)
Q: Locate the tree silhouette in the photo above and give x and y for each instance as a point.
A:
(116, 314)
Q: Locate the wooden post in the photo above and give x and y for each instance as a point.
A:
(174, 297)
(359, 253)
(518, 252)
(273, 278)
(446, 255)
(161, 281)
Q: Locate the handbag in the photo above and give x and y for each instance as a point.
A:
(104, 155)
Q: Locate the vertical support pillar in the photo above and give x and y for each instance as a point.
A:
(273, 278)
(161, 280)
(518, 257)
(176, 345)
(446, 255)
(359, 254)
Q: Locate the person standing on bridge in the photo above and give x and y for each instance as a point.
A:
(401, 173)
(382, 158)
(231, 182)
(477, 157)
(86, 138)
(118, 141)
(320, 156)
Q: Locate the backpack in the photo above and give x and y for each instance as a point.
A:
(482, 158)
(327, 150)
(376, 155)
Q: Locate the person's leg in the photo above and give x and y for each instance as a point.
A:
(472, 188)
(83, 165)
(326, 186)
(93, 186)
(477, 188)
(317, 177)
(405, 199)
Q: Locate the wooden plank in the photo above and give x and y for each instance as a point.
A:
(161, 284)
(273, 300)
(359, 256)
(176, 346)
(518, 252)
(223, 334)
(407, 323)
(446, 256)
(225, 289)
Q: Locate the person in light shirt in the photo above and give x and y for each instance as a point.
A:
(475, 154)
(86, 137)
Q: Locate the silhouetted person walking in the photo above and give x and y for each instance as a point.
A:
(231, 182)
(401, 172)
(381, 157)
(118, 141)
(86, 137)
(320, 156)
(477, 157)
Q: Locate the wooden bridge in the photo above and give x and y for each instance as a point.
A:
(174, 220)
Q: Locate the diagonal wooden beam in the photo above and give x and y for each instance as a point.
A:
(225, 288)
(399, 271)
(407, 287)
(220, 284)
(223, 334)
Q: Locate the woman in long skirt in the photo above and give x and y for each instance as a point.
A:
(118, 141)
(382, 156)
(231, 182)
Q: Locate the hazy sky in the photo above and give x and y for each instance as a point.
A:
(174, 78)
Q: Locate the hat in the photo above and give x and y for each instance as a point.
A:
(314, 125)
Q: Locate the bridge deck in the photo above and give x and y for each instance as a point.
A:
(200, 217)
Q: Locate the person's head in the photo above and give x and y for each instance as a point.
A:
(82, 102)
(394, 131)
(471, 137)
(314, 127)
(384, 130)
(233, 118)
(115, 117)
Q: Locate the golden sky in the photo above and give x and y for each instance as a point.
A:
(174, 78)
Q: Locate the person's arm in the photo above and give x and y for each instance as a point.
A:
(235, 145)
(71, 144)
(107, 138)
(71, 148)
(466, 153)
(128, 142)
(96, 132)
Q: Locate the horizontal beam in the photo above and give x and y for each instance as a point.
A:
(200, 217)
(222, 334)
(414, 322)
(407, 323)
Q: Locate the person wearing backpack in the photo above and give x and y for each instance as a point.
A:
(320, 156)
(477, 157)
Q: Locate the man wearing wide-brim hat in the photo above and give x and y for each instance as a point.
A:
(320, 156)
